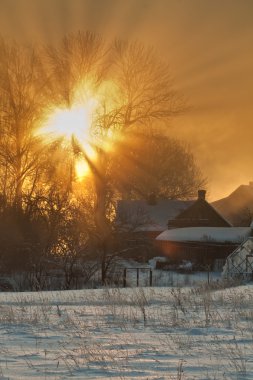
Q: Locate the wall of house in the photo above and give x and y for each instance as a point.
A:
(201, 253)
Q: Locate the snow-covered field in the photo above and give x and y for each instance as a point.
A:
(137, 333)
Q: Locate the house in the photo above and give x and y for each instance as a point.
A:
(150, 217)
(201, 245)
(155, 216)
(139, 222)
(199, 214)
(180, 230)
(237, 208)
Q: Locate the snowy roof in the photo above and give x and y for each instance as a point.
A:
(207, 234)
(149, 217)
(149, 227)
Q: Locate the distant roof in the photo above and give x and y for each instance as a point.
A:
(207, 234)
(234, 206)
(149, 217)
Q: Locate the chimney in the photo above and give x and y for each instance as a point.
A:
(202, 194)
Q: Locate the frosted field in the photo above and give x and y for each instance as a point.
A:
(139, 333)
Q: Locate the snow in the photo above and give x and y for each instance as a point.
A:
(234, 235)
(152, 262)
(187, 265)
(135, 333)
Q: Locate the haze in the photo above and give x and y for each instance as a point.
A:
(209, 47)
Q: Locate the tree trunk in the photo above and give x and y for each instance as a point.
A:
(101, 222)
(18, 170)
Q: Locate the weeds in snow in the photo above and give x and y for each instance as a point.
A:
(117, 332)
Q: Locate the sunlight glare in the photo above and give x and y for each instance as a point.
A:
(81, 168)
(74, 122)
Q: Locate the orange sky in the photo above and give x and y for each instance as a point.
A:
(209, 45)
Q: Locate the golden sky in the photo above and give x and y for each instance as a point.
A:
(209, 45)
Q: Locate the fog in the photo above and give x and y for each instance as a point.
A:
(209, 47)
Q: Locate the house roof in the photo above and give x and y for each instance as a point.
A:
(200, 214)
(206, 234)
(235, 205)
(147, 217)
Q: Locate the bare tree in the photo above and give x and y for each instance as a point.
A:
(78, 61)
(135, 89)
(134, 92)
(145, 84)
(149, 162)
(21, 105)
(144, 94)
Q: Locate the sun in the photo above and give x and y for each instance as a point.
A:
(74, 122)
(81, 168)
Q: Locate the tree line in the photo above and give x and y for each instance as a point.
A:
(46, 214)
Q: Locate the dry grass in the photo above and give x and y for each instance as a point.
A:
(199, 333)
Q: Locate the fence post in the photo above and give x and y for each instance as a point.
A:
(208, 274)
(150, 277)
(124, 277)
